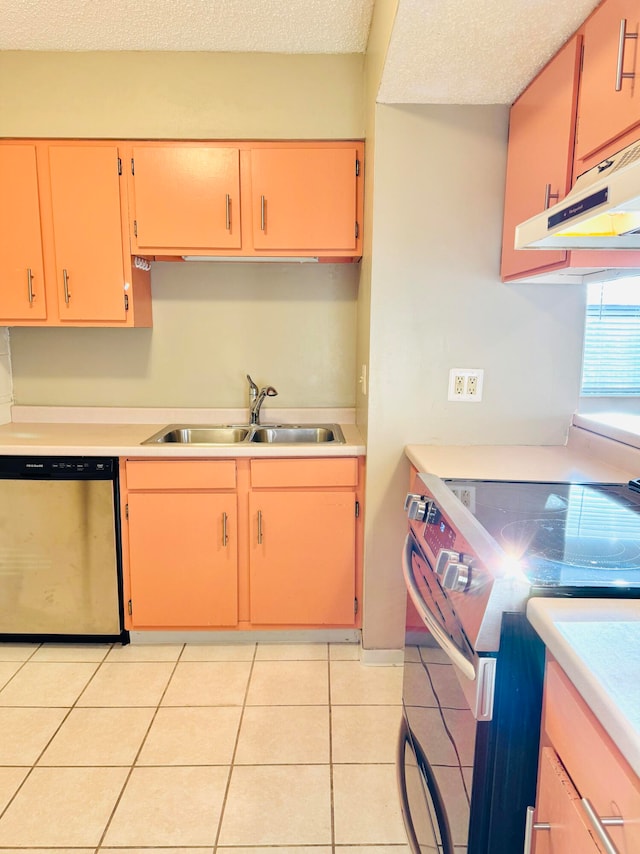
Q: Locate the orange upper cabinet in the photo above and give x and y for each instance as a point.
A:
(539, 161)
(89, 261)
(22, 292)
(65, 246)
(609, 102)
(186, 198)
(247, 199)
(305, 199)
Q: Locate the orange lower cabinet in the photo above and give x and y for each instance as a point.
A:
(586, 789)
(560, 820)
(302, 558)
(183, 559)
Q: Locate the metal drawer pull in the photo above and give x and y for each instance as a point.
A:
(620, 74)
(548, 195)
(67, 295)
(599, 825)
(30, 285)
(259, 527)
(228, 212)
(262, 212)
(225, 538)
(530, 826)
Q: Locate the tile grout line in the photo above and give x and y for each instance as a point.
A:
(233, 754)
(331, 786)
(135, 759)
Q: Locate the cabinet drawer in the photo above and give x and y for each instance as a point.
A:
(181, 474)
(597, 768)
(316, 472)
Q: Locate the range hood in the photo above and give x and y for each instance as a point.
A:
(601, 211)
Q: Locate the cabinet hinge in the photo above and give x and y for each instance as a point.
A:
(355, 606)
(126, 511)
(119, 166)
(135, 227)
(129, 607)
(357, 167)
(133, 168)
(126, 302)
(357, 231)
(357, 509)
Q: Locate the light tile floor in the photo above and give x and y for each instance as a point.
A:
(191, 749)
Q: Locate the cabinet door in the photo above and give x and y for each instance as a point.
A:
(87, 230)
(183, 559)
(22, 294)
(558, 804)
(304, 199)
(603, 112)
(302, 558)
(186, 198)
(541, 132)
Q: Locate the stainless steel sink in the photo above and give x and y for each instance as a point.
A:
(299, 435)
(234, 434)
(220, 434)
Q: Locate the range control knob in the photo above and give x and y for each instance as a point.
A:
(457, 577)
(445, 557)
(411, 496)
(418, 509)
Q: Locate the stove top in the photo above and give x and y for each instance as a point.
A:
(561, 534)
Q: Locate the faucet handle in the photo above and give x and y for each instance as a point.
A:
(253, 388)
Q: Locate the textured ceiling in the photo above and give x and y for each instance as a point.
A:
(473, 51)
(441, 51)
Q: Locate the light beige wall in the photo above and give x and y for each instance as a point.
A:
(292, 325)
(181, 95)
(384, 14)
(437, 303)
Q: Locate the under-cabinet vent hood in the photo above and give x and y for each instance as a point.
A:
(601, 211)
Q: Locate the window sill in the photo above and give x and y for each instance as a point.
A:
(620, 426)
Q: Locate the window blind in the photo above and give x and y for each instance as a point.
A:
(611, 362)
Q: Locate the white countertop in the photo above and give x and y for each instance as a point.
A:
(597, 644)
(516, 462)
(621, 426)
(120, 433)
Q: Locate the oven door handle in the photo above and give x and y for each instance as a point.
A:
(457, 657)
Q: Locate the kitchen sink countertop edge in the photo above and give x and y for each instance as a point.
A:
(118, 432)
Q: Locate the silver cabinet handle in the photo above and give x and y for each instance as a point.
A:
(259, 527)
(548, 195)
(65, 278)
(598, 824)
(30, 285)
(620, 74)
(225, 537)
(262, 212)
(228, 212)
(530, 826)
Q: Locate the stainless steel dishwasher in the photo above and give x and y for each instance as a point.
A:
(60, 560)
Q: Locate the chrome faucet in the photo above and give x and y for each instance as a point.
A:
(256, 399)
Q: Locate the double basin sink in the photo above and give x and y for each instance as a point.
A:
(234, 434)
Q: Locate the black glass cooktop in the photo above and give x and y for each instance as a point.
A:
(562, 534)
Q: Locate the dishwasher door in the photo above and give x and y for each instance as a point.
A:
(59, 565)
